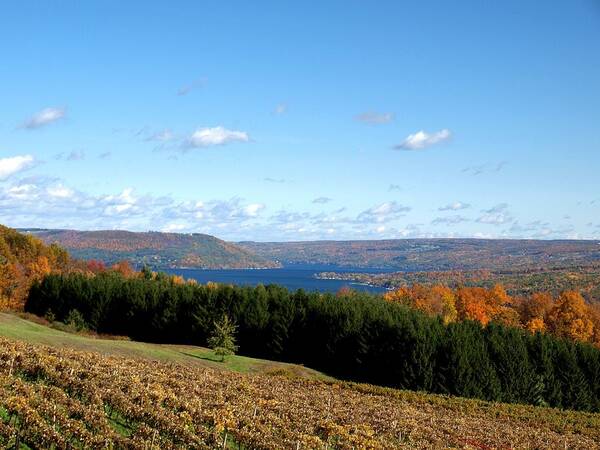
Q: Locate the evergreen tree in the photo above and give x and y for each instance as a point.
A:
(222, 340)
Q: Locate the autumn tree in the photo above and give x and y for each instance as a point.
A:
(595, 318)
(437, 300)
(95, 266)
(124, 268)
(570, 317)
(534, 311)
(471, 304)
(25, 259)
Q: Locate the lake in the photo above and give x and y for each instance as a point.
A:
(293, 277)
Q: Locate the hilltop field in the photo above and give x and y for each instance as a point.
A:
(62, 390)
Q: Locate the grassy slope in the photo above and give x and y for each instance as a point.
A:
(14, 327)
(431, 420)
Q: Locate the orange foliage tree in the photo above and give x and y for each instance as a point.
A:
(534, 311)
(437, 300)
(570, 317)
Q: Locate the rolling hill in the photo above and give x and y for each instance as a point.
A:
(432, 254)
(158, 250)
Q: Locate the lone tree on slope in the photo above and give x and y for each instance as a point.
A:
(222, 339)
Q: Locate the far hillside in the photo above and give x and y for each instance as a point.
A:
(159, 250)
(433, 254)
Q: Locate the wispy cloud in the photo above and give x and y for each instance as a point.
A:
(196, 84)
(160, 136)
(321, 200)
(209, 137)
(394, 187)
(44, 117)
(274, 180)
(76, 155)
(421, 140)
(483, 168)
(450, 220)
(383, 212)
(15, 164)
(374, 118)
(500, 207)
(105, 155)
(497, 215)
(280, 109)
(456, 206)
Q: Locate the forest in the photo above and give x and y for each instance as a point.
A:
(351, 335)
(517, 282)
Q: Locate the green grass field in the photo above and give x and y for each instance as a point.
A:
(15, 327)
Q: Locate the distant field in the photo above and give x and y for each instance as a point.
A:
(131, 395)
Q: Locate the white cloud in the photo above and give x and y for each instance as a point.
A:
(44, 117)
(59, 191)
(321, 200)
(374, 118)
(456, 206)
(207, 137)
(422, 139)
(50, 203)
(14, 164)
(394, 187)
(253, 209)
(174, 227)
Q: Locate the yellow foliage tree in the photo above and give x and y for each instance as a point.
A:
(570, 317)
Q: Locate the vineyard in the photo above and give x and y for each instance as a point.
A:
(62, 398)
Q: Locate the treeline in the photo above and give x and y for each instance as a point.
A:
(354, 336)
(564, 315)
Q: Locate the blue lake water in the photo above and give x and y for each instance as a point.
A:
(294, 277)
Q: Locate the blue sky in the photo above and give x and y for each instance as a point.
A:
(304, 120)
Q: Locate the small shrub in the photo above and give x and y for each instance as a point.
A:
(75, 320)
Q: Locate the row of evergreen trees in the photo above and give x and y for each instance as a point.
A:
(356, 336)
